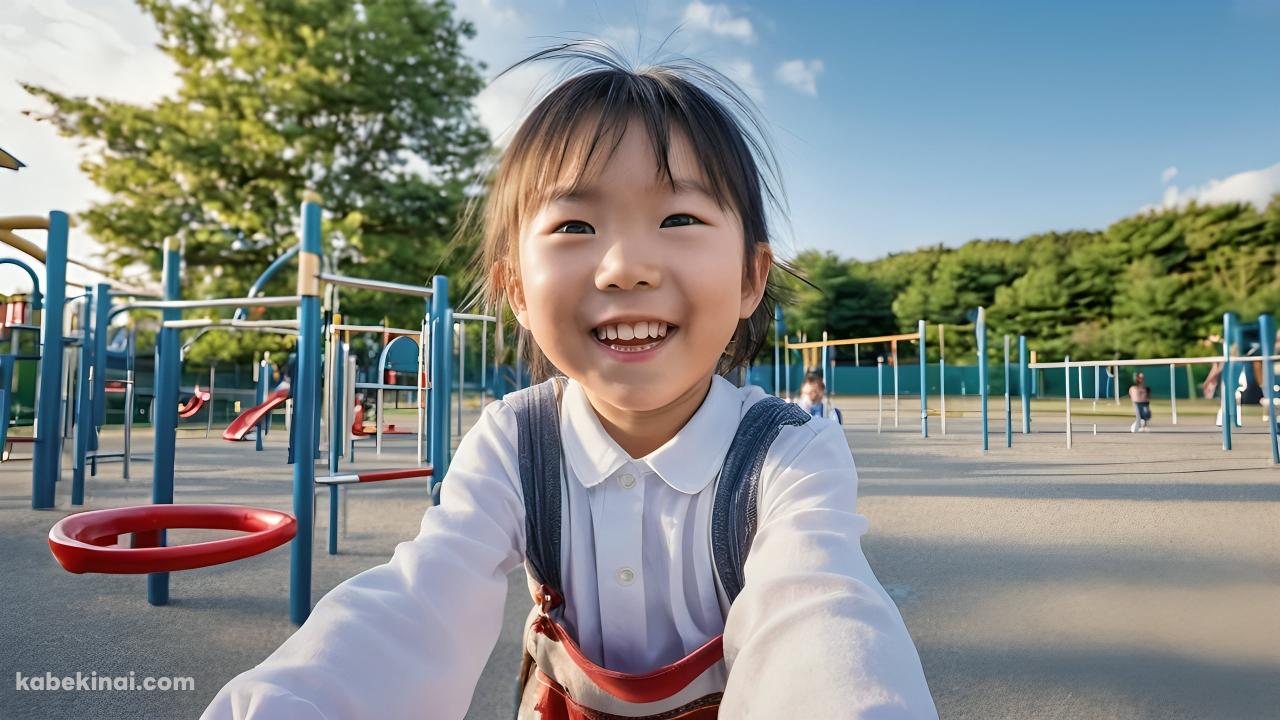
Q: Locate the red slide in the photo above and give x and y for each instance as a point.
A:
(249, 418)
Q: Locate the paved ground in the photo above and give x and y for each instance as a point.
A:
(1135, 576)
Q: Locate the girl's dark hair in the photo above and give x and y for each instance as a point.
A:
(815, 378)
(574, 130)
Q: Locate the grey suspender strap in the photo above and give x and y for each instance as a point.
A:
(537, 411)
(733, 514)
(733, 520)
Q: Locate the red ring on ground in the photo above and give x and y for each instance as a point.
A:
(81, 542)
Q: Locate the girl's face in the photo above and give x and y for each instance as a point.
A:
(632, 287)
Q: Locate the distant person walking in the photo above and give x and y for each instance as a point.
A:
(1140, 394)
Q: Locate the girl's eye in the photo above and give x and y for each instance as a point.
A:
(575, 227)
(680, 220)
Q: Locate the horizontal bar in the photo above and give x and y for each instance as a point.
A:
(1128, 363)
(385, 386)
(24, 222)
(268, 301)
(368, 284)
(231, 323)
(850, 341)
(470, 316)
(341, 327)
(375, 476)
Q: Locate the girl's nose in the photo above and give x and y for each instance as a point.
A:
(629, 263)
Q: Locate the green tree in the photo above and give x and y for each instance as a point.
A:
(365, 103)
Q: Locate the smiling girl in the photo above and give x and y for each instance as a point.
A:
(692, 547)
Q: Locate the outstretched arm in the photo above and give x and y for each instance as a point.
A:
(408, 638)
(813, 634)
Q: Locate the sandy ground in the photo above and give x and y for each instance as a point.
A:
(1134, 576)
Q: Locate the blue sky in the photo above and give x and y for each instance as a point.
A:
(898, 124)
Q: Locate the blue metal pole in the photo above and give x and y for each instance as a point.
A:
(924, 394)
(826, 378)
(47, 461)
(441, 352)
(1008, 399)
(1024, 385)
(779, 331)
(101, 328)
(982, 373)
(304, 420)
(84, 401)
(1228, 381)
(164, 420)
(1267, 334)
(6, 393)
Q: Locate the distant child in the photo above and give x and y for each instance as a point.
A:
(1140, 394)
(626, 229)
(813, 394)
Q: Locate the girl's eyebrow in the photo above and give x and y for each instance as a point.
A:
(690, 185)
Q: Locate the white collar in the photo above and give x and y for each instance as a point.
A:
(687, 462)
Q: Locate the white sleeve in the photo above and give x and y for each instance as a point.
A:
(408, 638)
(813, 634)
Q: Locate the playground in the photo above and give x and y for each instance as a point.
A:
(263, 266)
(1049, 560)
(1132, 576)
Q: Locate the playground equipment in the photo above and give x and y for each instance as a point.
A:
(438, 331)
(18, 319)
(817, 353)
(192, 406)
(1232, 367)
(255, 416)
(82, 543)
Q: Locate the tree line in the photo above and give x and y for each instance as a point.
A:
(1154, 284)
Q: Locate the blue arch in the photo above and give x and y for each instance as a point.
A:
(36, 298)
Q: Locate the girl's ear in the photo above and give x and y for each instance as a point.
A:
(757, 279)
(515, 295)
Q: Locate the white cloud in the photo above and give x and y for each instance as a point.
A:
(1251, 186)
(718, 20)
(486, 12)
(801, 75)
(1169, 173)
(80, 47)
(505, 101)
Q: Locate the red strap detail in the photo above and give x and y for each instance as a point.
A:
(649, 687)
(554, 703)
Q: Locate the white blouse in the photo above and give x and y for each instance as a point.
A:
(812, 634)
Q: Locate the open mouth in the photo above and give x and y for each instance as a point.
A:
(634, 337)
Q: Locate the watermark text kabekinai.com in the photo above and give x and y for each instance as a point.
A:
(94, 681)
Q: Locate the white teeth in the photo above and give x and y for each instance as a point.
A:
(654, 329)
